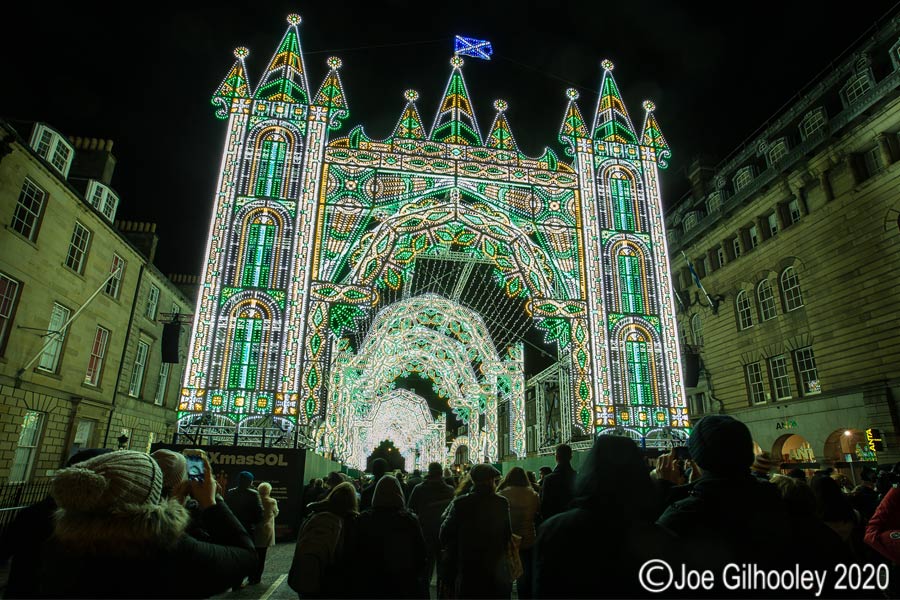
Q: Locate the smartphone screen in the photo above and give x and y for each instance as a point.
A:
(195, 468)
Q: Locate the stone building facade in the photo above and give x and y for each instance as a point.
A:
(795, 240)
(82, 308)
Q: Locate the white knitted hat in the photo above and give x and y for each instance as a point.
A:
(112, 481)
(173, 465)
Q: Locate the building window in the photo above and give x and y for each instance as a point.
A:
(98, 351)
(137, 372)
(871, 162)
(29, 210)
(745, 315)
(78, 247)
(707, 267)
(805, 362)
(790, 290)
(9, 298)
(766, 300)
(714, 202)
(794, 210)
(103, 199)
(781, 379)
(777, 150)
(26, 450)
(720, 256)
(159, 398)
(755, 388)
(56, 335)
(753, 234)
(152, 303)
(857, 87)
(813, 122)
(84, 433)
(690, 221)
(743, 177)
(697, 330)
(772, 219)
(53, 148)
(117, 269)
(736, 246)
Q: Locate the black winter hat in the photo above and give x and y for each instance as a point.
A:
(721, 445)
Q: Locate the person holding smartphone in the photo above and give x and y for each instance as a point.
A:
(112, 513)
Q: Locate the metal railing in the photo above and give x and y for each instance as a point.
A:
(14, 496)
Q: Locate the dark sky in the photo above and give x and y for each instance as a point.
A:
(143, 76)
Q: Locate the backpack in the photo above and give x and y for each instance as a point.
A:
(317, 544)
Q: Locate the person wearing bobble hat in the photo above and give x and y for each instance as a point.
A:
(115, 536)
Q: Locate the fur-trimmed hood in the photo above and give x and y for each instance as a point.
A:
(128, 530)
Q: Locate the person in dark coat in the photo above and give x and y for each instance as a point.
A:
(558, 488)
(379, 468)
(614, 500)
(730, 516)
(476, 531)
(116, 537)
(389, 557)
(246, 505)
(23, 539)
(428, 500)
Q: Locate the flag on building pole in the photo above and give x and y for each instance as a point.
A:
(713, 305)
(472, 47)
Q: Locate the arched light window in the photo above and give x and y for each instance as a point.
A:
(630, 282)
(245, 349)
(744, 312)
(777, 150)
(637, 364)
(270, 172)
(621, 192)
(258, 252)
(714, 202)
(743, 177)
(697, 330)
(766, 300)
(812, 122)
(790, 290)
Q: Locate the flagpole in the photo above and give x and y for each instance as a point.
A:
(699, 283)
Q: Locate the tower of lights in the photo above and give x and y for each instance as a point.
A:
(312, 226)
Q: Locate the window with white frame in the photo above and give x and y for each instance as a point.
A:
(772, 219)
(720, 256)
(790, 290)
(152, 303)
(736, 246)
(159, 398)
(805, 362)
(103, 199)
(812, 122)
(52, 147)
(755, 388)
(753, 234)
(690, 221)
(137, 371)
(871, 162)
(117, 269)
(697, 329)
(794, 210)
(29, 210)
(766, 300)
(743, 177)
(857, 87)
(781, 378)
(744, 312)
(27, 446)
(714, 202)
(777, 150)
(56, 336)
(9, 299)
(84, 433)
(78, 247)
(98, 352)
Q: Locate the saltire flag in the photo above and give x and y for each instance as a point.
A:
(471, 47)
(713, 305)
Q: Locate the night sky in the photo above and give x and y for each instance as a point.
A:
(143, 76)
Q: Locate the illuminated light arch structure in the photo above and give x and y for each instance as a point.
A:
(459, 441)
(310, 230)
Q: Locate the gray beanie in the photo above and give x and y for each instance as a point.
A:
(173, 466)
(115, 481)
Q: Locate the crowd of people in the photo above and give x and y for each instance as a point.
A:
(126, 524)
